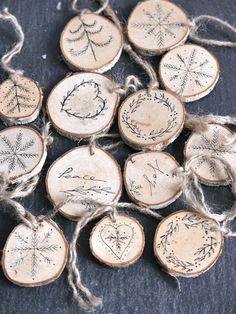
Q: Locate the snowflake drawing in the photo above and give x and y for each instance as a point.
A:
(117, 238)
(15, 153)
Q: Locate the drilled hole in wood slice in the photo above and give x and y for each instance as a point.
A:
(79, 174)
(211, 143)
(82, 105)
(117, 243)
(22, 152)
(20, 101)
(35, 257)
(91, 43)
(187, 244)
(150, 180)
(150, 120)
(189, 71)
(157, 26)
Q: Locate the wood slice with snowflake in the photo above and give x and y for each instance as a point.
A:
(20, 100)
(212, 144)
(91, 43)
(150, 120)
(35, 257)
(189, 71)
(117, 243)
(79, 174)
(22, 152)
(187, 243)
(82, 105)
(150, 180)
(157, 26)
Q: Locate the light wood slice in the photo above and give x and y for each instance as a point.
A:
(151, 120)
(189, 71)
(211, 143)
(91, 43)
(187, 244)
(150, 180)
(117, 243)
(79, 174)
(20, 101)
(82, 105)
(35, 257)
(157, 26)
(22, 152)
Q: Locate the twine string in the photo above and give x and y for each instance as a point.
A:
(83, 11)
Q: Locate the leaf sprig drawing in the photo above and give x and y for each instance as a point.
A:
(193, 221)
(82, 190)
(206, 250)
(171, 230)
(135, 188)
(180, 264)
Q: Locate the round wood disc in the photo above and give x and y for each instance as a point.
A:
(211, 143)
(157, 26)
(91, 43)
(151, 120)
(20, 101)
(150, 180)
(187, 244)
(22, 152)
(77, 173)
(35, 257)
(189, 71)
(81, 105)
(117, 243)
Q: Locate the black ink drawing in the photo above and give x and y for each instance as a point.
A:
(206, 250)
(90, 35)
(33, 249)
(180, 264)
(162, 100)
(15, 153)
(189, 72)
(92, 190)
(134, 188)
(173, 227)
(81, 108)
(193, 221)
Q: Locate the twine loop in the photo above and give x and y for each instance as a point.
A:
(104, 4)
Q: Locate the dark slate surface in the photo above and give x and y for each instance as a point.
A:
(143, 287)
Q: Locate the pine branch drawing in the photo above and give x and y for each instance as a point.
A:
(85, 34)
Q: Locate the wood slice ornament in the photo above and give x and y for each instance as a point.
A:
(150, 180)
(92, 43)
(189, 71)
(150, 120)
(35, 257)
(117, 243)
(22, 152)
(187, 243)
(20, 100)
(155, 27)
(82, 105)
(211, 143)
(77, 173)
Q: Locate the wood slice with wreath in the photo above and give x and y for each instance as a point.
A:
(189, 71)
(150, 179)
(117, 243)
(35, 257)
(79, 174)
(20, 100)
(22, 152)
(150, 120)
(215, 143)
(187, 243)
(91, 43)
(157, 26)
(82, 105)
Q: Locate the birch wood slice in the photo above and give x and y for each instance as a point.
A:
(187, 244)
(91, 43)
(35, 257)
(150, 121)
(20, 101)
(79, 174)
(157, 26)
(211, 143)
(150, 180)
(82, 105)
(22, 152)
(189, 71)
(117, 243)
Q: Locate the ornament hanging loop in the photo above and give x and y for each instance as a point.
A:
(80, 12)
